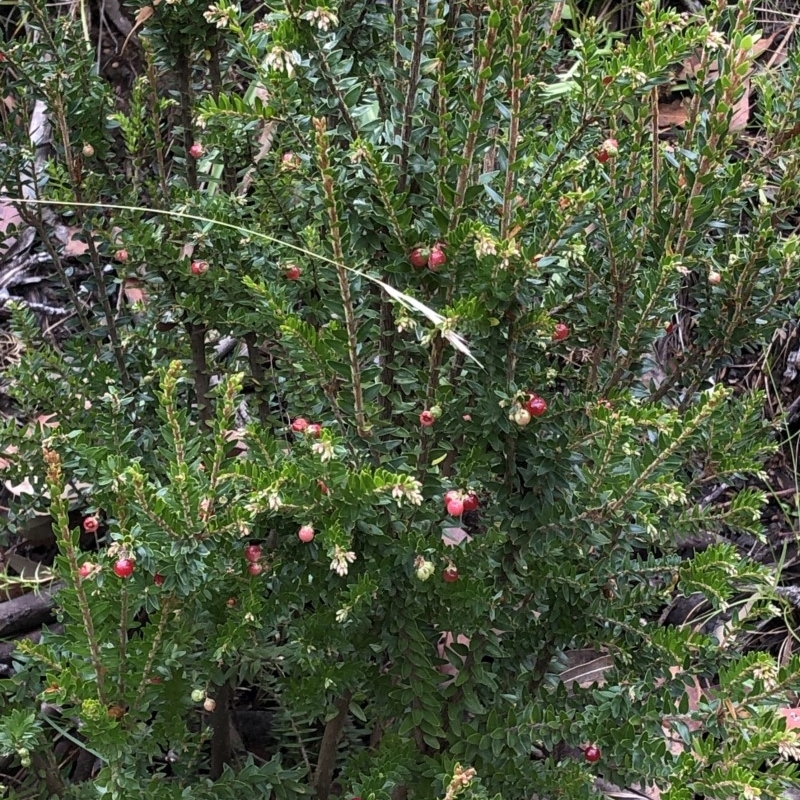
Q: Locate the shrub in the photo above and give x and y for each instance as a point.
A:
(269, 205)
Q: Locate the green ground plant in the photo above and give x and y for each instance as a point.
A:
(582, 276)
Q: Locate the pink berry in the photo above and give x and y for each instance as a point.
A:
(305, 534)
(199, 267)
(158, 579)
(252, 553)
(323, 487)
(255, 569)
(560, 332)
(592, 753)
(455, 507)
(123, 567)
(314, 429)
(293, 273)
(537, 405)
(299, 425)
(91, 524)
(437, 258)
(196, 150)
(714, 278)
(450, 574)
(426, 419)
(419, 257)
(85, 569)
(121, 256)
(453, 494)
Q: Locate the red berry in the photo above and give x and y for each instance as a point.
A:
(323, 487)
(471, 502)
(85, 569)
(419, 257)
(560, 332)
(426, 419)
(196, 150)
(293, 273)
(314, 429)
(306, 534)
(299, 425)
(455, 507)
(592, 753)
(158, 579)
(608, 149)
(252, 553)
(121, 256)
(123, 567)
(450, 574)
(255, 569)
(199, 267)
(91, 524)
(437, 258)
(537, 405)
(230, 602)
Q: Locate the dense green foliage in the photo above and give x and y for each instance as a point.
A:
(336, 140)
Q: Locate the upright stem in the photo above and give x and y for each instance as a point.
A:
(328, 747)
(221, 750)
(478, 97)
(513, 128)
(344, 283)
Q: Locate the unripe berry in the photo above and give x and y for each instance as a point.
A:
(423, 568)
(521, 416)
(198, 695)
(87, 150)
(85, 569)
(292, 273)
(314, 429)
(209, 704)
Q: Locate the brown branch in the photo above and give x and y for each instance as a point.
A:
(328, 747)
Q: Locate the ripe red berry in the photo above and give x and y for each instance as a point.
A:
(252, 553)
(471, 502)
(450, 574)
(196, 150)
(314, 429)
(323, 487)
(292, 273)
(158, 579)
(608, 149)
(455, 507)
(199, 267)
(121, 256)
(419, 257)
(426, 419)
(85, 569)
(91, 524)
(255, 569)
(299, 425)
(537, 405)
(306, 534)
(560, 332)
(437, 258)
(592, 753)
(123, 567)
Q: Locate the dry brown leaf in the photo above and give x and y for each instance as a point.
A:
(135, 293)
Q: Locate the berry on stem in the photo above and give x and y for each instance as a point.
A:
(199, 267)
(592, 753)
(299, 425)
(437, 258)
(123, 567)
(536, 405)
(521, 416)
(292, 273)
(85, 569)
(419, 257)
(471, 502)
(158, 579)
(450, 573)
(121, 256)
(455, 507)
(91, 524)
(426, 419)
(306, 534)
(608, 149)
(252, 553)
(314, 429)
(560, 332)
(255, 569)
(196, 150)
